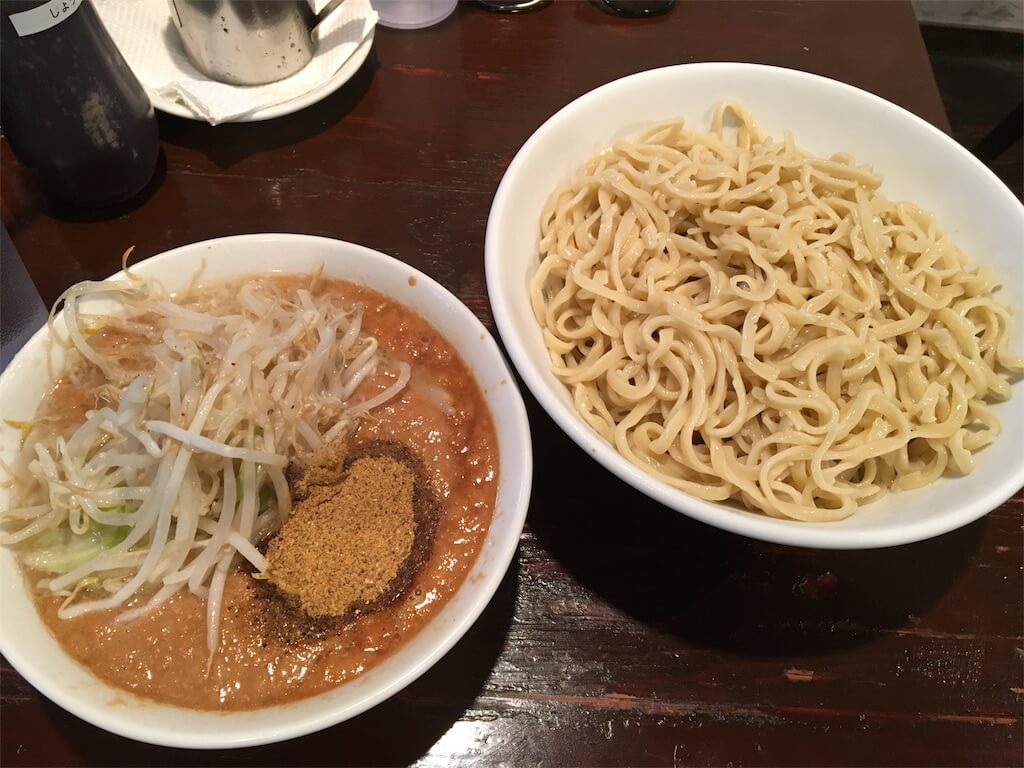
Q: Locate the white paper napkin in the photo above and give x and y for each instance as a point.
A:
(149, 42)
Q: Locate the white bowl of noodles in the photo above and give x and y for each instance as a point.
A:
(31, 648)
(600, 286)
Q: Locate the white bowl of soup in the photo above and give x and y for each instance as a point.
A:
(708, 278)
(154, 678)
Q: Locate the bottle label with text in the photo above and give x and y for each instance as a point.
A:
(42, 18)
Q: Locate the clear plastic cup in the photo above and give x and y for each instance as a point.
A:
(412, 14)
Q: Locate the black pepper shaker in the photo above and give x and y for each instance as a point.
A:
(71, 107)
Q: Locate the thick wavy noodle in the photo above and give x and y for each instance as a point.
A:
(746, 321)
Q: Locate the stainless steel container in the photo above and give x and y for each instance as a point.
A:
(248, 42)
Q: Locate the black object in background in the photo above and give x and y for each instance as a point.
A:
(636, 7)
(513, 6)
(22, 312)
(71, 107)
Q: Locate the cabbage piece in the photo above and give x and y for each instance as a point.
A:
(60, 550)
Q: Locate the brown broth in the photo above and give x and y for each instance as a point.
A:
(265, 658)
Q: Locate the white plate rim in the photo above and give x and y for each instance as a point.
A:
(345, 73)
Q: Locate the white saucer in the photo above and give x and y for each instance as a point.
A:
(322, 91)
(147, 38)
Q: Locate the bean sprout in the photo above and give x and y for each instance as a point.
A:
(198, 404)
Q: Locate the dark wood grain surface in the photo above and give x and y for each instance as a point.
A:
(623, 633)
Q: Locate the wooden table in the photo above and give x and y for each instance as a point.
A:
(623, 633)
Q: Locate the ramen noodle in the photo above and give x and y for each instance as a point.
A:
(748, 322)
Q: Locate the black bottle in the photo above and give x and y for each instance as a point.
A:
(71, 107)
(636, 7)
